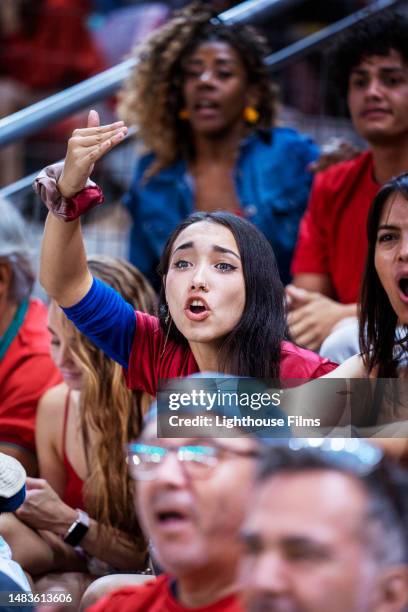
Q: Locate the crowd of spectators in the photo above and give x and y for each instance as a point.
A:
(226, 205)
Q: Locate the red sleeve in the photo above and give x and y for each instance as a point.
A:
(311, 252)
(323, 368)
(154, 358)
(142, 371)
(300, 363)
(29, 379)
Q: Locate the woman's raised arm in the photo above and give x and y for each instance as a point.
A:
(64, 272)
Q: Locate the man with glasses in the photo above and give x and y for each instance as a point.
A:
(326, 532)
(191, 496)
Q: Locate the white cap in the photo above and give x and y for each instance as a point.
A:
(12, 476)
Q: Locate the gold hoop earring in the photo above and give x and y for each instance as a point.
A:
(251, 115)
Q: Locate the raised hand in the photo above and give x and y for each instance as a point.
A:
(85, 147)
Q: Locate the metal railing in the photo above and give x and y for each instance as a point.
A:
(310, 43)
(58, 106)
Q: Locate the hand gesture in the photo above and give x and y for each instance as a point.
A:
(85, 147)
(43, 508)
(312, 316)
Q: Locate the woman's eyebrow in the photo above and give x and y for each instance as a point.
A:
(186, 245)
(220, 249)
(387, 226)
(215, 247)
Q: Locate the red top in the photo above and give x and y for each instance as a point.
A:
(332, 235)
(152, 358)
(74, 484)
(26, 372)
(155, 596)
(59, 53)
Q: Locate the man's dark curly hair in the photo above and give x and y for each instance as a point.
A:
(375, 36)
(152, 96)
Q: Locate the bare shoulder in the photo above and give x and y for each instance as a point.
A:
(51, 404)
(351, 368)
(49, 424)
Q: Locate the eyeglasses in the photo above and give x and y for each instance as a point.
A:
(198, 460)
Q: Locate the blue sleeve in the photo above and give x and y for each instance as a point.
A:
(106, 319)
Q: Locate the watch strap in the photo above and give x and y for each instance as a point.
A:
(78, 529)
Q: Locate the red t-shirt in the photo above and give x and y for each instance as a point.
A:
(152, 358)
(26, 372)
(332, 235)
(155, 596)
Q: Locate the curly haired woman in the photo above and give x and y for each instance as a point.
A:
(205, 108)
(82, 427)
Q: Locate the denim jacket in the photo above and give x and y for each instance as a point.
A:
(271, 180)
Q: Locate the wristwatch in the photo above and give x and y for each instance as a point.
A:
(78, 529)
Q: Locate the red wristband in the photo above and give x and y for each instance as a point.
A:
(83, 201)
(67, 209)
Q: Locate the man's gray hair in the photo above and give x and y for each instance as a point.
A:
(14, 250)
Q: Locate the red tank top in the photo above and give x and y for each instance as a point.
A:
(72, 495)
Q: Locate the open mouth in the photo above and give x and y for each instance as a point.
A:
(197, 306)
(170, 516)
(171, 521)
(403, 285)
(206, 104)
(206, 109)
(196, 309)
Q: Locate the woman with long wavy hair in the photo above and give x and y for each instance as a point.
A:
(84, 494)
(205, 109)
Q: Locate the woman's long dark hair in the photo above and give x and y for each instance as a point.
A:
(253, 346)
(378, 320)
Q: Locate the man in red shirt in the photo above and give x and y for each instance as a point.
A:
(191, 497)
(26, 367)
(372, 64)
